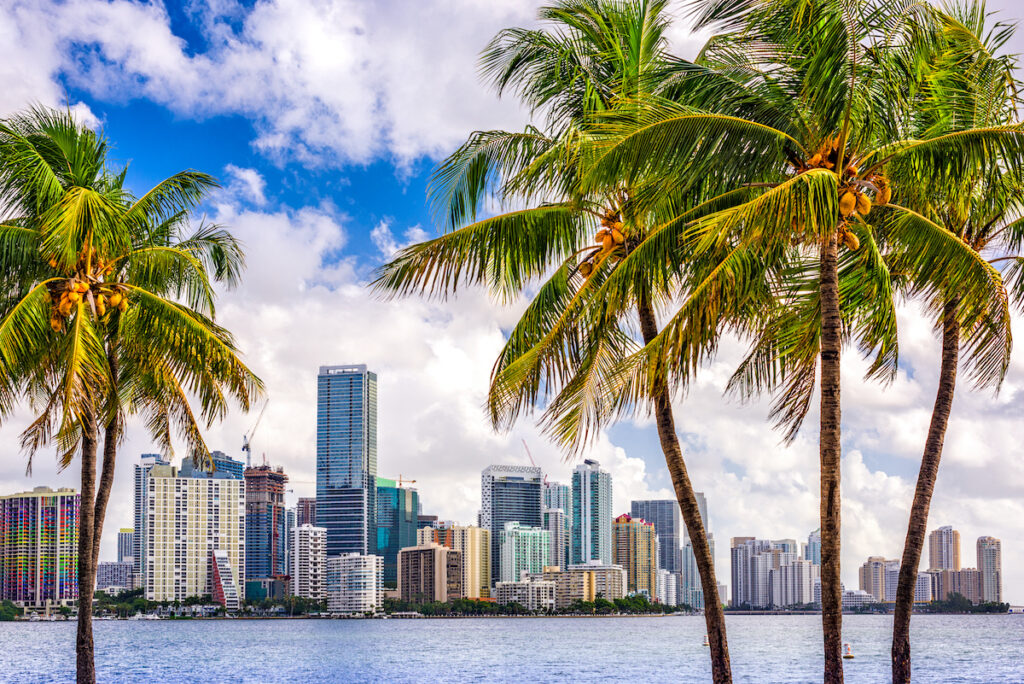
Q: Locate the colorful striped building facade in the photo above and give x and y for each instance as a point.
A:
(39, 547)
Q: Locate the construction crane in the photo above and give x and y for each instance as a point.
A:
(400, 480)
(247, 438)
(530, 456)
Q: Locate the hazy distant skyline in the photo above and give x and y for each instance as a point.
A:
(323, 121)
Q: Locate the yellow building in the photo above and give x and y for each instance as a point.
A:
(635, 548)
(474, 543)
(188, 518)
(584, 582)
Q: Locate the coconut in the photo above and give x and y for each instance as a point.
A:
(586, 268)
(848, 203)
(56, 324)
(863, 204)
(852, 171)
(884, 196)
(618, 237)
(74, 297)
(82, 287)
(607, 242)
(815, 160)
(851, 241)
(115, 299)
(123, 306)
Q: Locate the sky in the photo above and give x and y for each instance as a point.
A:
(323, 121)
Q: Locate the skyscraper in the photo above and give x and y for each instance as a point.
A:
(125, 545)
(309, 561)
(668, 524)
(221, 467)
(523, 549)
(306, 510)
(873, 575)
(430, 572)
(39, 547)
(346, 458)
(355, 584)
(508, 494)
(635, 548)
(557, 495)
(139, 546)
(265, 536)
(556, 523)
(397, 512)
(187, 520)
(591, 513)
(990, 566)
(812, 551)
(944, 549)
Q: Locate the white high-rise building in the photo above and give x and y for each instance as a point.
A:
(556, 523)
(591, 514)
(667, 588)
(139, 543)
(355, 584)
(309, 558)
(188, 519)
(793, 583)
(523, 550)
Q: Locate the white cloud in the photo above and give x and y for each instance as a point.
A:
(247, 184)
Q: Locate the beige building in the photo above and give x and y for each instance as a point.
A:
(944, 549)
(429, 572)
(990, 566)
(535, 595)
(187, 519)
(966, 581)
(474, 543)
(872, 576)
(584, 582)
(635, 548)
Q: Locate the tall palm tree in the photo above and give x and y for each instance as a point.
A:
(815, 89)
(594, 56)
(109, 313)
(984, 212)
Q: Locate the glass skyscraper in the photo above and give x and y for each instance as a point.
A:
(346, 458)
(591, 514)
(509, 494)
(668, 525)
(397, 518)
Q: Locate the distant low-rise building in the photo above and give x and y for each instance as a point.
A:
(535, 595)
(113, 575)
(966, 582)
(585, 582)
(428, 573)
(857, 598)
(355, 584)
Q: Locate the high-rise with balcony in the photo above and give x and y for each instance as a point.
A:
(556, 523)
(509, 494)
(990, 566)
(265, 524)
(139, 545)
(591, 514)
(944, 549)
(635, 548)
(187, 520)
(39, 547)
(473, 544)
(355, 584)
(668, 524)
(523, 549)
(346, 458)
(397, 513)
(429, 572)
(309, 562)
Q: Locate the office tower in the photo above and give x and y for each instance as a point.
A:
(305, 511)
(397, 516)
(635, 548)
(265, 536)
(591, 513)
(355, 584)
(535, 595)
(474, 544)
(346, 458)
(557, 525)
(125, 545)
(113, 575)
(187, 519)
(990, 565)
(873, 575)
(664, 514)
(428, 573)
(523, 549)
(221, 467)
(289, 541)
(39, 547)
(309, 558)
(812, 551)
(667, 588)
(691, 591)
(944, 549)
(139, 543)
(508, 494)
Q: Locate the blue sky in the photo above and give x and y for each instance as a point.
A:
(323, 120)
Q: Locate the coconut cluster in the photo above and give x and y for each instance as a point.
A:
(68, 295)
(608, 239)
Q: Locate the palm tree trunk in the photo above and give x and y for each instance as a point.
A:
(112, 433)
(830, 452)
(86, 665)
(914, 544)
(714, 616)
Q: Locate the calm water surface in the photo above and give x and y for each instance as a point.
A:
(764, 649)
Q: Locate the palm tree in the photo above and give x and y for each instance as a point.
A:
(595, 56)
(108, 313)
(814, 90)
(983, 211)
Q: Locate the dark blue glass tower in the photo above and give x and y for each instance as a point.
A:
(346, 458)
